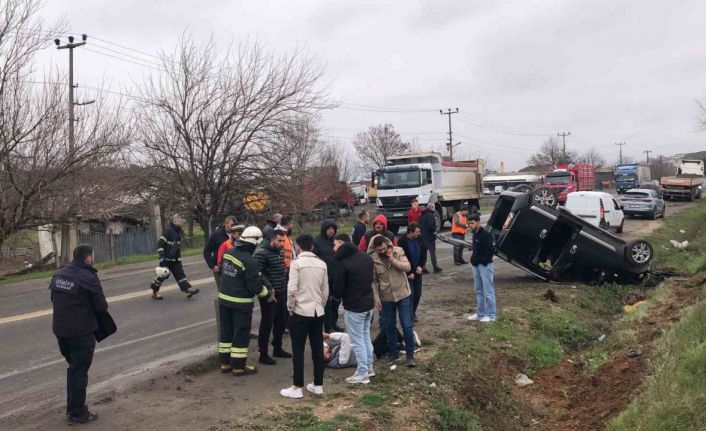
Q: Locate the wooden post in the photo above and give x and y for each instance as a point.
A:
(111, 245)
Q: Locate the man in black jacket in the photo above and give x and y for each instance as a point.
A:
(427, 224)
(273, 315)
(323, 247)
(416, 253)
(170, 257)
(218, 237)
(361, 226)
(354, 286)
(77, 298)
(482, 262)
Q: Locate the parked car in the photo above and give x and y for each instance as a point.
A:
(642, 202)
(597, 208)
(486, 191)
(652, 185)
(498, 189)
(554, 244)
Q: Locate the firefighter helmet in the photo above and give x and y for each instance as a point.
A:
(162, 272)
(252, 235)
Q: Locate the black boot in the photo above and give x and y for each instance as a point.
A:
(279, 353)
(265, 359)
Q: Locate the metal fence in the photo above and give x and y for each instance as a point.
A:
(110, 246)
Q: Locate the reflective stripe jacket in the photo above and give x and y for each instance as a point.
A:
(170, 243)
(240, 280)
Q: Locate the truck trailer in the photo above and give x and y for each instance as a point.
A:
(630, 176)
(428, 178)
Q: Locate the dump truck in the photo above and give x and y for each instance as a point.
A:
(428, 178)
(688, 182)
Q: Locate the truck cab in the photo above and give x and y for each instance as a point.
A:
(429, 179)
(630, 176)
(565, 179)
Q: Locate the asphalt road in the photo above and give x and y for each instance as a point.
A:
(151, 334)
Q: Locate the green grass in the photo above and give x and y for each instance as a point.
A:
(541, 352)
(691, 260)
(675, 395)
(376, 399)
(304, 419)
(560, 324)
(451, 418)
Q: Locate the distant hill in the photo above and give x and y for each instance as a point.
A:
(700, 155)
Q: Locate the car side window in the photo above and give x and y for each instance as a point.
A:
(615, 204)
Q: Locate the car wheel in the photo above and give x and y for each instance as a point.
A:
(653, 214)
(545, 196)
(620, 228)
(639, 252)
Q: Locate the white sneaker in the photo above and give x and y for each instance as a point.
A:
(292, 392)
(355, 379)
(371, 372)
(314, 389)
(486, 319)
(473, 317)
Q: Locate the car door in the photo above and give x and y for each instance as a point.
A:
(521, 243)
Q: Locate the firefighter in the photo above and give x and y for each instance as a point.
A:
(240, 282)
(170, 260)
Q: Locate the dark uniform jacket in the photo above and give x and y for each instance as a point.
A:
(427, 224)
(270, 261)
(483, 249)
(403, 242)
(323, 247)
(77, 297)
(358, 231)
(170, 243)
(240, 280)
(210, 250)
(354, 279)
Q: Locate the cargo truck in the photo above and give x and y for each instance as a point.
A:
(688, 182)
(630, 176)
(559, 181)
(430, 179)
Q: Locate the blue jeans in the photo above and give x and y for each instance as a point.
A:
(389, 319)
(358, 328)
(485, 290)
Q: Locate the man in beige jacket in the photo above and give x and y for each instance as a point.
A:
(392, 289)
(307, 293)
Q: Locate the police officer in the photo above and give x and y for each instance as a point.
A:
(170, 258)
(240, 282)
(77, 298)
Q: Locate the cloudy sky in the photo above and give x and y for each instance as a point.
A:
(519, 71)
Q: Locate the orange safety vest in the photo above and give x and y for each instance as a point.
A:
(457, 229)
(288, 250)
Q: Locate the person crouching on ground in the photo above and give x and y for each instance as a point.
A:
(482, 263)
(307, 293)
(354, 286)
(392, 288)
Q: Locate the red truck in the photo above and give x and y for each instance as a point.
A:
(563, 179)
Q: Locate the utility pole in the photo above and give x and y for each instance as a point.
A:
(620, 144)
(450, 145)
(69, 236)
(647, 152)
(563, 141)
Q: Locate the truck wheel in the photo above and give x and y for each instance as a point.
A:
(522, 188)
(639, 252)
(545, 196)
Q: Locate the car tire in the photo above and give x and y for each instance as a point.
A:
(639, 252)
(545, 196)
(619, 229)
(653, 214)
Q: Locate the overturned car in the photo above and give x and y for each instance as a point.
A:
(554, 244)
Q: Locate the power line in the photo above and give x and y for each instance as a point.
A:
(126, 60)
(450, 145)
(484, 124)
(125, 47)
(126, 55)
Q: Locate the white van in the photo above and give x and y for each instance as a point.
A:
(597, 208)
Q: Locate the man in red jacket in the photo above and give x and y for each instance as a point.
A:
(415, 212)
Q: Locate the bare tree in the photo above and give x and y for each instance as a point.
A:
(593, 157)
(701, 121)
(40, 182)
(551, 153)
(209, 120)
(376, 145)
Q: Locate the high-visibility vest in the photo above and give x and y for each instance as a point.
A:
(460, 230)
(288, 251)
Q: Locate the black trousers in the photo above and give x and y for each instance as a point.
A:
(331, 316)
(234, 336)
(273, 320)
(176, 268)
(416, 286)
(458, 250)
(431, 247)
(78, 352)
(301, 328)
